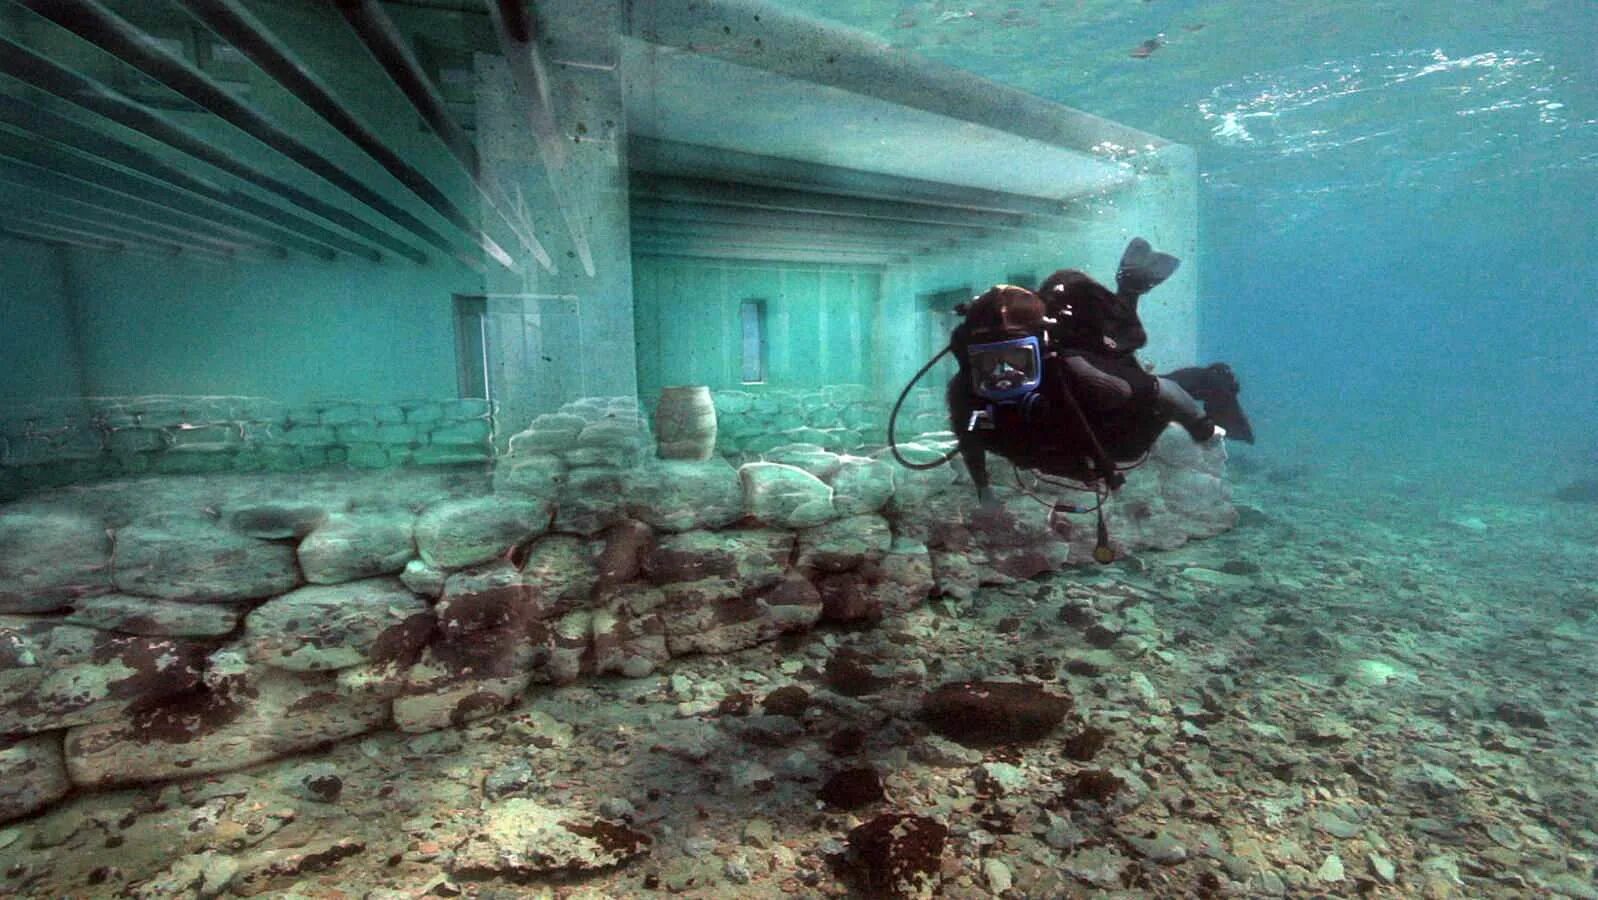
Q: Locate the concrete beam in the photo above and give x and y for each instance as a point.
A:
(663, 157)
(123, 220)
(786, 238)
(102, 231)
(95, 23)
(530, 74)
(235, 24)
(801, 221)
(719, 250)
(30, 151)
(377, 32)
(765, 36)
(33, 69)
(709, 192)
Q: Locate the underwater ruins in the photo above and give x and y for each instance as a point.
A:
(491, 448)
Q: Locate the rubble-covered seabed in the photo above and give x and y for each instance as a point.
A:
(1356, 691)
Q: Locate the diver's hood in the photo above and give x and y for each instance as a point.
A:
(1006, 370)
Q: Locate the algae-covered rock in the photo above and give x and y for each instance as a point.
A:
(191, 557)
(531, 474)
(810, 457)
(716, 616)
(149, 616)
(592, 499)
(844, 544)
(424, 579)
(749, 558)
(49, 557)
(460, 680)
(681, 495)
(348, 547)
(520, 839)
(785, 496)
(32, 774)
(627, 644)
(458, 533)
(233, 721)
(560, 568)
(53, 675)
(912, 487)
(979, 713)
(548, 433)
(324, 627)
(861, 486)
(899, 855)
(275, 521)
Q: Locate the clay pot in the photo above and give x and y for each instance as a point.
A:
(685, 423)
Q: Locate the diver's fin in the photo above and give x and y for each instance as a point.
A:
(1228, 414)
(1216, 387)
(1142, 269)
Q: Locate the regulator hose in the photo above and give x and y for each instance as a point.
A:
(894, 416)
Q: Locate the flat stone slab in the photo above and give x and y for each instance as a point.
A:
(561, 569)
(191, 557)
(32, 775)
(54, 675)
(459, 533)
(861, 486)
(522, 839)
(275, 521)
(349, 547)
(785, 496)
(592, 498)
(324, 627)
(234, 722)
(681, 495)
(49, 557)
(130, 614)
(752, 558)
(844, 544)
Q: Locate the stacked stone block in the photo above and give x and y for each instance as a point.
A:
(49, 444)
(147, 638)
(842, 418)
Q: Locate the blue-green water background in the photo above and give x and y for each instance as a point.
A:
(1399, 251)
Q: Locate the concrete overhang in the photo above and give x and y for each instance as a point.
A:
(679, 97)
(748, 78)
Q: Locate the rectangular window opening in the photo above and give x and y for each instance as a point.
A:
(471, 346)
(752, 318)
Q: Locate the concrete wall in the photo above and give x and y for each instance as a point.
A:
(818, 322)
(36, 331)
(291, 330)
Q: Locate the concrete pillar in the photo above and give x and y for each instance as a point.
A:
(555, 337)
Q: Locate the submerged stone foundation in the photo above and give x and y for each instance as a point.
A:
(162, 628)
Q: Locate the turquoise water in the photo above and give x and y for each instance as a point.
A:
(1395, 215)
(352, 548)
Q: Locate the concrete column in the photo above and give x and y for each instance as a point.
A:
(559, 336)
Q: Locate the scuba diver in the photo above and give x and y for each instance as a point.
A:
(1050, 381)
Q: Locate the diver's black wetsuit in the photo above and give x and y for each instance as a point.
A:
(1106, 385)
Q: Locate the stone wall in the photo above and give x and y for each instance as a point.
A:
(70, 441)
(840, 418)
(161, 628)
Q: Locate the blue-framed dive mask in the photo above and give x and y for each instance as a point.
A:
(1006, 370)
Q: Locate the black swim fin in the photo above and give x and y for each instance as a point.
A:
(1228, 413)
(1216, 387)
(1142, 269)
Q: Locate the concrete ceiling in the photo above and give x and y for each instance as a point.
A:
(191, 127)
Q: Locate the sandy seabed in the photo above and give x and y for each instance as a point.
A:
(1363, 689)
